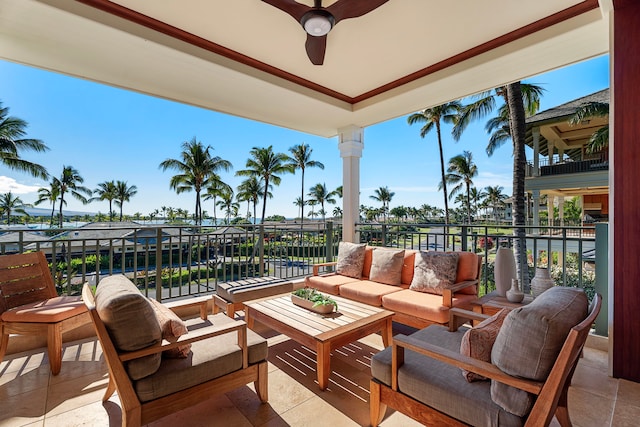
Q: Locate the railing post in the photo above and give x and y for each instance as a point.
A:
(464, 238)
(602, 277)
(159, 264)
(329, 241)
(384, 234)
(261, 246)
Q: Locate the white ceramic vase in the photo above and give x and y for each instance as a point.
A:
(515, 294)
(504, 270)
(541, 281)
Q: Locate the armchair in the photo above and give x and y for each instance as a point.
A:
(420, 374)
(224, 355)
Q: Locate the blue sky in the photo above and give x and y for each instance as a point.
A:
(112, 134)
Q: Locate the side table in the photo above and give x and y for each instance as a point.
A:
(491, 303)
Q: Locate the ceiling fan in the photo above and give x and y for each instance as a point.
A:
(317, 21)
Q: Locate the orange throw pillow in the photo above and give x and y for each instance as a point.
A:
(477, 342)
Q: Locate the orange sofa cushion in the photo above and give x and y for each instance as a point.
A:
(368, 292)
(368, 261)
(424, 305)
(329, 283)
(408, 266)
(49, 311)
(467, 270)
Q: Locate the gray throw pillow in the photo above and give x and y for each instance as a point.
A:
(530, 340)
(350, 259)
(434, 271)
(386, 266)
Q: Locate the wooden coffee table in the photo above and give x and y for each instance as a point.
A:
(322, 332)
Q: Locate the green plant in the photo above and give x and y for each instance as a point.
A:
(316, 297)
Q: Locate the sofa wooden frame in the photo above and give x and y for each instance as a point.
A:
(135, 412)
(552, 393)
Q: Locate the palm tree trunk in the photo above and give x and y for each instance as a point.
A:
(53, 212)
(444, 187)
(517, 123)
(301, 201)
(468, 205)
(60, 212)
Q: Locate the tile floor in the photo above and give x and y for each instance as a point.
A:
(30, 396)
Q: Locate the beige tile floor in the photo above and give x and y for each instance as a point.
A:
(31, 396)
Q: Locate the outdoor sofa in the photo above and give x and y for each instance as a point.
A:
(386, 277)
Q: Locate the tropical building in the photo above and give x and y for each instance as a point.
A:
(562, 166)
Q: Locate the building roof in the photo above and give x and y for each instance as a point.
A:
(568, 109)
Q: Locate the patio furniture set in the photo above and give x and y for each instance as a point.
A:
(445, 375)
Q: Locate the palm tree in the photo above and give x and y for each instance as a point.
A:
(70, 181)
(214, 190)
(50, 194)
(12, 130)
(299, 202)
(476, 196)
(106, 191)
(124, 193)
(301, 159)
(520, 100)
(266, 164)
(461, 171)
(197, 170)
(230, 207)
(384, 196)
(320, 195)
(495, 198)
(431, 117)
(9, 204)
(250, 190)
(337, 212)
(600, 138)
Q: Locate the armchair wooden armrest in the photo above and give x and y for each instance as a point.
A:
(316, 267)
(193, 336)
(402, 342)
(459, 316)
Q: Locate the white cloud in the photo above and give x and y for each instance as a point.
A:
(8, 184)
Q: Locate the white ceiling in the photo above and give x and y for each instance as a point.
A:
(247, 58)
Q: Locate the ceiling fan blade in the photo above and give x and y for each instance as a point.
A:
(316, 47)
(345, 9)
(293, 8)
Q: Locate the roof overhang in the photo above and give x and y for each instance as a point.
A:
(391, 62)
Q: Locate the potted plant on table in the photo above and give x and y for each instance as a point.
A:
(313, 300)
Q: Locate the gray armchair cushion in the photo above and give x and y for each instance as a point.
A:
(530, 340)
(130, 321)
(440, 385)
(209, 359)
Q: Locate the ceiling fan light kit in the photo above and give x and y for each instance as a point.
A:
(317, 21)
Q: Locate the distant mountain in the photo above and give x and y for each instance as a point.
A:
(47, 212)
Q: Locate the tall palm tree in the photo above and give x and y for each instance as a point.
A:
(431, 117)
(106, 191)
(197, 168)
(228, 205)
(495, 198)
(50, 194)
(10, 203)
(251, 190)
(124, 193)
(520, 100)
(301, 159)
(600, 138)
(384, 196)
(70, 181)
(476, 196)
(320, 195)
(461, 171)
(266, 164)
(12, 131)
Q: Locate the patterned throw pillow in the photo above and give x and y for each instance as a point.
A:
(350, 259)
(478, 341)
(434, 271)
(172, 328)
(386, 266)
